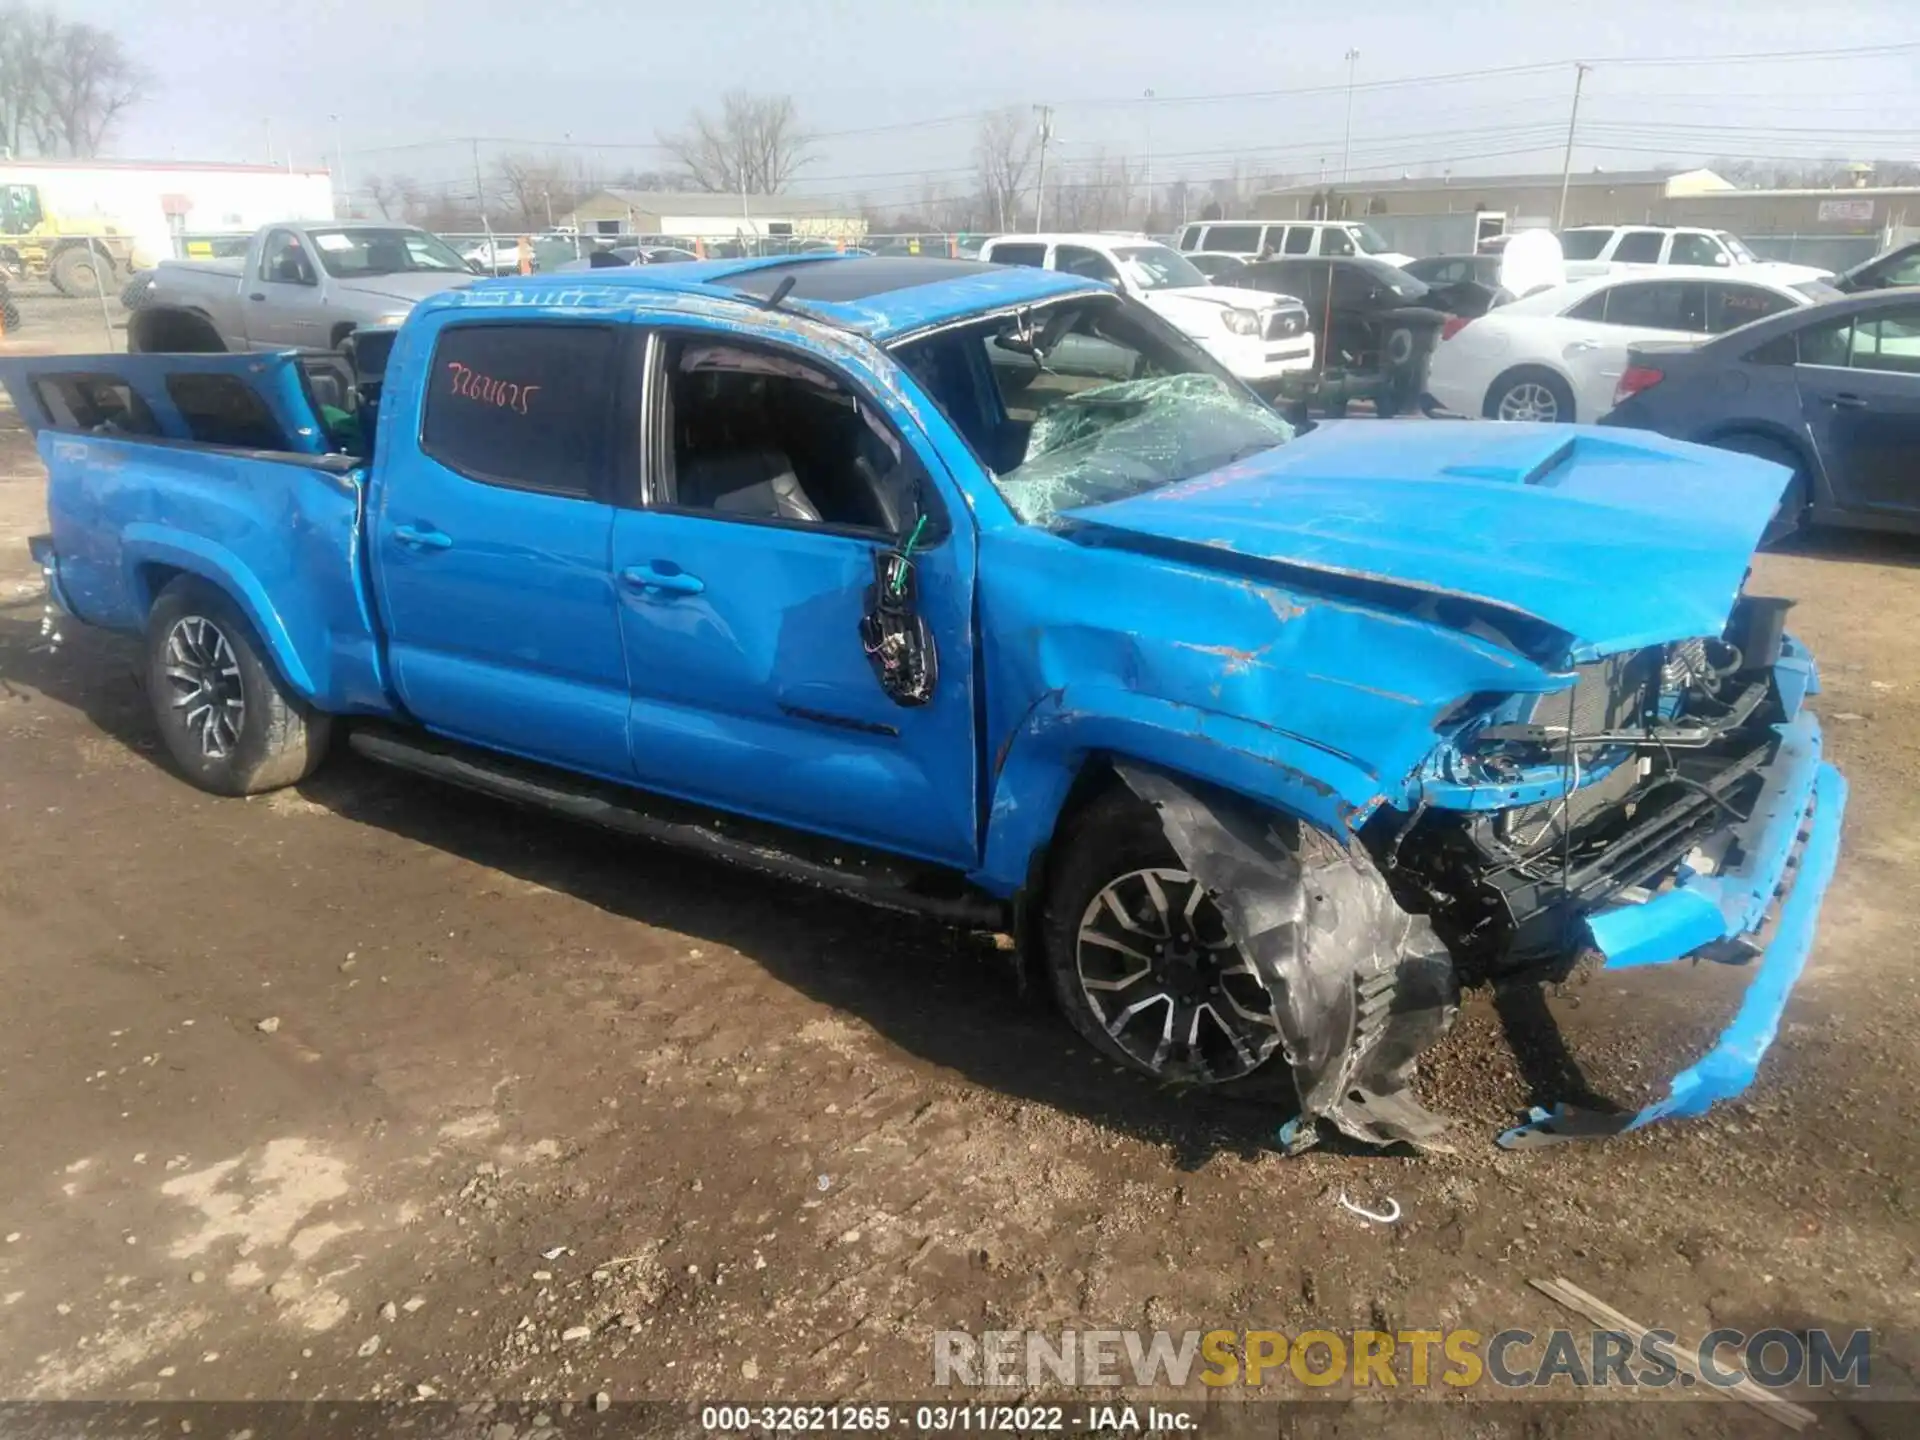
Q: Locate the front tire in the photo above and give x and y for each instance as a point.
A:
(229, 721)
(1530, 394)
(78, 272)
(1139, 957)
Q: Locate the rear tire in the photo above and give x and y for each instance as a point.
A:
(1530, 394)
(1183, 965)
(229, 721)
(1791, 516)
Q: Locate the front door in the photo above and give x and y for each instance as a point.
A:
(1859, 383)
(283, 296)
(774, 480)
(490, 541)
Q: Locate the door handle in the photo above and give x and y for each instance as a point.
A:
(422, 539)
(674, 582)
(1583, 345)
(1846, 401)
(258, 295)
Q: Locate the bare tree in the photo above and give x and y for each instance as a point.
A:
(1003, 154)
(537, 187)
(396, 197)
(87, 80)
(754, 146)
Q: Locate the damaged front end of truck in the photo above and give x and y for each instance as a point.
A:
(1644, 781)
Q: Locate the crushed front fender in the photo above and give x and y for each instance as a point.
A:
(1360, 987)
(1788, 847)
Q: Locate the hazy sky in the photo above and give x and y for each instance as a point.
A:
(613, 76)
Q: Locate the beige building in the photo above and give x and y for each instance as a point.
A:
(1596, 197)
(707, 216)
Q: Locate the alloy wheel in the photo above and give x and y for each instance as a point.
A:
(204, 676)
(1168, 984)
(1529, 400)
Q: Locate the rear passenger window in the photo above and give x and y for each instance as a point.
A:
(99, 403)
(525, 406)
(1022, 254)
(1241, 239)
(1639, 247)
(223, 410)
(1299, 240)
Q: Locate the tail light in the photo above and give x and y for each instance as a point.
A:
(1454, 325)
(1636, 378)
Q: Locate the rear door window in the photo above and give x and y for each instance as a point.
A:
(1241, 239)
(1639, 247)
(526, 406)
(1299, 240)
(1659, 305)
(1019, 254)
(223, 410)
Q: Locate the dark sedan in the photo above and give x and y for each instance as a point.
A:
(1895, 268)
(1832, 392)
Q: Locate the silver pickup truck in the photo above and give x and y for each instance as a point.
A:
(300, 285)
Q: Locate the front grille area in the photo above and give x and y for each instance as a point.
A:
(1284, 324)
(1610, 694)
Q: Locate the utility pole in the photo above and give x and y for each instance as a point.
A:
(1346, 154)
(1040, 187)
(340, 164)
(480, 195)
(1566, 166)
(1148, 221)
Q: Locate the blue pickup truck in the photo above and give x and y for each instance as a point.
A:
(981, 592)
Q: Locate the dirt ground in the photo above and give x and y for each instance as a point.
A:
(371, 1086)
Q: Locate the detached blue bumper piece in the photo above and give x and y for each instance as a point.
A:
(1795, 827)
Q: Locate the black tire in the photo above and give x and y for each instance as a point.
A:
(1115, 837)
(134, 294)
(203, 655)
(1507, 391)
(163, 330)
(78, 272)
(1791, 516)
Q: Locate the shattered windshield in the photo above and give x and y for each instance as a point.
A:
(1087, 401)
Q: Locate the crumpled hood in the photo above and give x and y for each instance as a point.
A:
(1618, 539)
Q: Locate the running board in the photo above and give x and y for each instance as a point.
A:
(865, 875)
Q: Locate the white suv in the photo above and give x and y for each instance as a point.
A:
(1257, 336)
(1592, 250)
(1276, 238)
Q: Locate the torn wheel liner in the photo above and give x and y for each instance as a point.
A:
(1360, 986)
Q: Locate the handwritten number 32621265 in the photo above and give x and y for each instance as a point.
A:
(471, 384)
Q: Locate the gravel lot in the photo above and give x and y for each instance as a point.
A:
(370, 1086)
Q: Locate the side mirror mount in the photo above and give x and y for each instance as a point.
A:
(898, 643)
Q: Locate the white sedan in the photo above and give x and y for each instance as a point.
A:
(1558, 355)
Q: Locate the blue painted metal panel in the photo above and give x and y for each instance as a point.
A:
(281, 538)
(504, 627)
(1616, 540)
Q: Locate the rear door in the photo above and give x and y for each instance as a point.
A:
(281, 298)
(1859, 382)
(490, 539)
(1594, 356)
